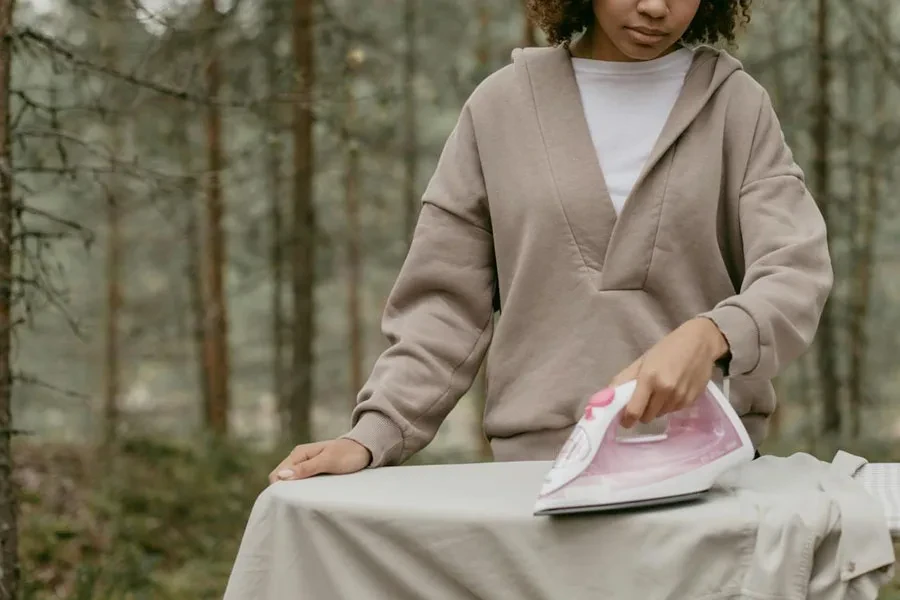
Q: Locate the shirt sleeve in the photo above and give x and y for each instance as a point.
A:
(439, 314)
(787, 267)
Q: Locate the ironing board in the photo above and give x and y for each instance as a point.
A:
(447, 532)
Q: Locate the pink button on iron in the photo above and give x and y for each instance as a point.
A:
(601, 399)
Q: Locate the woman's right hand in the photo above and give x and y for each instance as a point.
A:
(336, 457)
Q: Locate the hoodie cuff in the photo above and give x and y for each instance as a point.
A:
(380, 436)
(742, 335)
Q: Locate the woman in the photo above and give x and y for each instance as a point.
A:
(629, 201)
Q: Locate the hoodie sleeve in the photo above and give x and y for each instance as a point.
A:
(438, 317)
(787, 268)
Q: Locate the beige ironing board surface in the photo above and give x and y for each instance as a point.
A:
(447, 532)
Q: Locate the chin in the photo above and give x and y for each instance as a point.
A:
(641, 52)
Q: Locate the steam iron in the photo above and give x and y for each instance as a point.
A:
(603, 467)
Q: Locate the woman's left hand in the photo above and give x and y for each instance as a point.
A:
(674, 372)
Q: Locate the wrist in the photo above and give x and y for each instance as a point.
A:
(714, 340)
(362, 447)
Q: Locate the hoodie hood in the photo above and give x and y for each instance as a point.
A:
(547, 73)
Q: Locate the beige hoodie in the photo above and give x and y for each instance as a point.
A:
(719, 224)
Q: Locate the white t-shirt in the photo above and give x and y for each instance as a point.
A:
(626, 105)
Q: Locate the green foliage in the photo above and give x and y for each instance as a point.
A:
(892, 591)
(154, 519)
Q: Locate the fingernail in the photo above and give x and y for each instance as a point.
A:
(285, 474)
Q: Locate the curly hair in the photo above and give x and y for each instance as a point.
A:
(715, 21)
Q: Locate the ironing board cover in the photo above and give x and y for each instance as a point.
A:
(449, 532)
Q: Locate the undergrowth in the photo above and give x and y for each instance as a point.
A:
(152, 518)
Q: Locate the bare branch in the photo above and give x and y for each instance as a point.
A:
(877, 36)
(56, 48)
(28, 379)
(23, 208)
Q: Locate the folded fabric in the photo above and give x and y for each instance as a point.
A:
(882, 480)
(820, 535)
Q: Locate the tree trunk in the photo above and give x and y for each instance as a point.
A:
(113, 308)
(853, 313)
(411, 145)
(483, 45)
(216, 317)
(304, 234)
(354, 234)
(9, 564)
(779, 92)
(354, 271)
(273, 153)
(198, 303)
(828, 375)
(193, 274)
(862, 287)
(865, 245)
(113, 261)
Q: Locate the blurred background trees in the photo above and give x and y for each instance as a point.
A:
(205, 205)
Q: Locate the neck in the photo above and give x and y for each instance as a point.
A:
(595, 45)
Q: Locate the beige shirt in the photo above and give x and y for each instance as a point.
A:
(720, 223)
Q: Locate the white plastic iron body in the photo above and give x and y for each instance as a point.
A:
(598, 469)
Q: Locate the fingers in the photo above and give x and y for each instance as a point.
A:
(656, 407)
(636, 407)
(333, 457)
(666, 399)
(282, 471)
(652, 399)
(293, 465)
(306, 452)
(312, 466)
(309, 460)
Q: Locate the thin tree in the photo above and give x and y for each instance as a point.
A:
(9, 564)
(411, 143)
(828, 375)
(304, 223)
(216, 317)
(273, 153)
(780, 90)
(194, 258)
(864, 262)
(113, 253)
(856, 212)
(353, 61)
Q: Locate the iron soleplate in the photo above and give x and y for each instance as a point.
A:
(623, 506)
